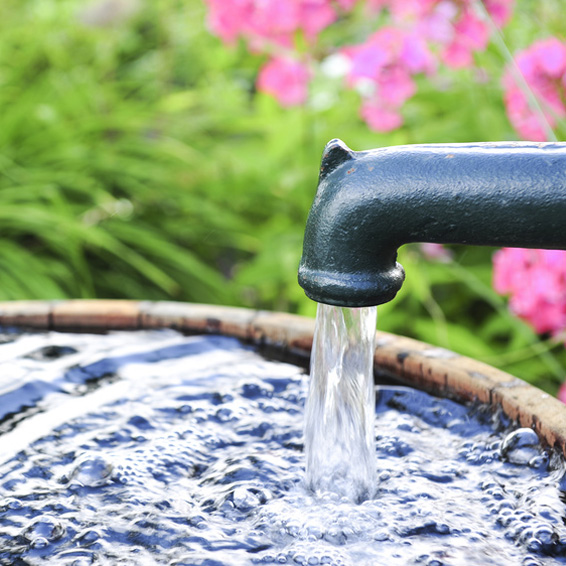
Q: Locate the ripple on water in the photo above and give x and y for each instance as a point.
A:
(192, 454)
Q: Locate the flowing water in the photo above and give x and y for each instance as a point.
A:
(340, 409)
(156, 448)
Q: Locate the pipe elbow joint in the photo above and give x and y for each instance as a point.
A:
(347, 260)
(369, 203)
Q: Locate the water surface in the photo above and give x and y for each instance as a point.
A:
(156, 448)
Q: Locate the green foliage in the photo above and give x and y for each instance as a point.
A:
(137, 161)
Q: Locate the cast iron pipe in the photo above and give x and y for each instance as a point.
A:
(369, 203)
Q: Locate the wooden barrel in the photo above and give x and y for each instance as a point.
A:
(289, 337)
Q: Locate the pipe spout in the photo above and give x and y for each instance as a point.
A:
(368, 203)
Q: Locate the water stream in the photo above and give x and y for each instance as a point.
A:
(154, 448)
(340, 409)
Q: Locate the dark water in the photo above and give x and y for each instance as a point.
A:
(154, 448)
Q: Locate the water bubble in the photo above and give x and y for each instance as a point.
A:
(255, 390)
(13, 504)
(88, 537)
(42, 531)
(244, 499)
(39, 543)
(198, 521)
(533, 545)
(545, 534)
(224, 415)
(520, 446)
(315, 532)
(52, 352)
(92, 471)
(140, 423)
(539, 462)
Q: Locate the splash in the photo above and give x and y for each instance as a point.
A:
(340, 409)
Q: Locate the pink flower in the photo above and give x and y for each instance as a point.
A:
(550, 55)
(395, 85)
(315, 15)
(450, 24)
(387, 62)
(508, 264)
(418, 10)
(380, 118)
(383, 67)
(269, 22)
(415, 55)
(227, 19)
(272, 22)
(377, 5)
(521, 116)
(367, 60)
(436, 252)
(470, 35)
(410, 10)
(543, 66)
(562, 393)
(499, 10)
(370, 58)
(285, 79)
(536, 283)
(347, 4)
(437, 25)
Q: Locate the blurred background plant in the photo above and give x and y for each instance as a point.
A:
(170, 149)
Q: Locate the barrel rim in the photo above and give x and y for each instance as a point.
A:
(289, 337)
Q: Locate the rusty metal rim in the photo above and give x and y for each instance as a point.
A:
(400, 359)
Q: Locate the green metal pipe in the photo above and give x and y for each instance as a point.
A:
(369, 203)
